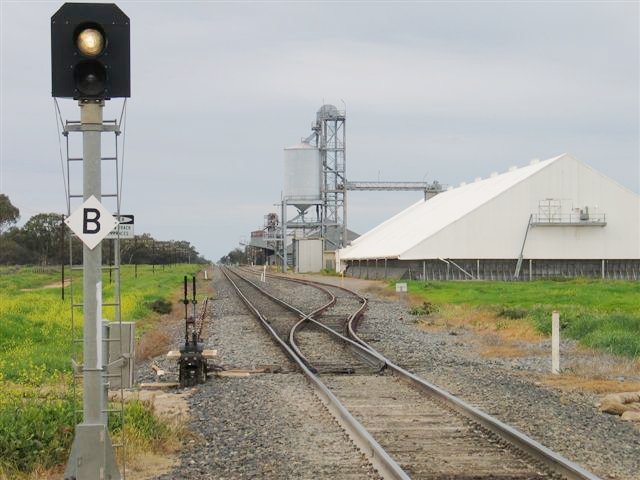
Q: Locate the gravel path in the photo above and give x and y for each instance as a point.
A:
(261, 426)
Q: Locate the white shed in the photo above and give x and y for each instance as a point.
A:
(557, 217)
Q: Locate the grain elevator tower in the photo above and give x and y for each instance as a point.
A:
(330, 139)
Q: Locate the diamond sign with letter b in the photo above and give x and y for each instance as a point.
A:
(91, 222)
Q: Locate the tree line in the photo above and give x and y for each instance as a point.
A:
(45, 240)
(234, 257)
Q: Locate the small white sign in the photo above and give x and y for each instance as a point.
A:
(91, 222)
(401, 287)
(124, 229)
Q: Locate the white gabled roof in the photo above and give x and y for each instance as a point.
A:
(400, 233)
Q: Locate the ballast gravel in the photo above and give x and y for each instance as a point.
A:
(268, 425)
(566, 422)
(273, 426)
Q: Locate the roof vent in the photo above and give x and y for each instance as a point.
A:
(493, 174)
(449, 188)
(534, 161)
(477, 179)
(462, 184)
(513, 168)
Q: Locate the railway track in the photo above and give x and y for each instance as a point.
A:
(408, 427)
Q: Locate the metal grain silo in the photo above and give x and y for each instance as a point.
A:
(302, 176)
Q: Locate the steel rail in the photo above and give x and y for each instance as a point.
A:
(291, 342)
(354, 318)
(550, 459)
(371, 357)
(379, 458)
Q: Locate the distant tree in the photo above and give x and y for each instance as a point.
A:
(13, 250)
(236, 256)
(41, 234)
(146, 249)
(45, 240)
(9, 214)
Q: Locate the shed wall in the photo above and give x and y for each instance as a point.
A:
(492, 269)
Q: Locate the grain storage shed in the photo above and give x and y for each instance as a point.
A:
(557, 217)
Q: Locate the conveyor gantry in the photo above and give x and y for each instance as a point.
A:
(429, 189)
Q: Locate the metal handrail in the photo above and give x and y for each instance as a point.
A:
(569, 218)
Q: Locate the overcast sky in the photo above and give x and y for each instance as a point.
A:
(433, 91)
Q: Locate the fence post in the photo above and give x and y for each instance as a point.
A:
(555, 342)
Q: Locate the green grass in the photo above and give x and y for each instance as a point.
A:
(141, 426)
(37, 427)
(36, 406)
(35, 324)
(599, 314)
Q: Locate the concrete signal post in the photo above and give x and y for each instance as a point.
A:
(90, 64)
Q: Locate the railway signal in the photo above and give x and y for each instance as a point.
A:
(90, 62)
(90, 57)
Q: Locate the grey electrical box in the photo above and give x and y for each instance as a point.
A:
(122, 341)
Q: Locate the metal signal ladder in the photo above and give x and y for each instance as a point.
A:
(108, 126)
